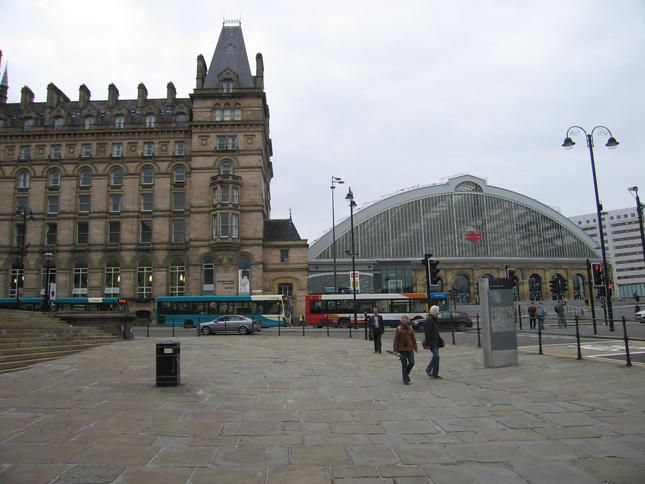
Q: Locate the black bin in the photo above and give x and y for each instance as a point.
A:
(168, 364)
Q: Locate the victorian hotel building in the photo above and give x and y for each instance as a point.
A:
(145, 197)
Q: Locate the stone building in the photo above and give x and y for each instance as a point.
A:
(147, 197)
(473, 229)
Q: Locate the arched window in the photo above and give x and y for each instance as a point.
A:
(226, 168)
(85, 178)
(179, 175)
(579, 287)
(462, 289)
(227, 112)
(237, 112)
(535, 287)
(81, 273)
(147, 176)
(16, 273)
(24, 179)
(112, 278)
(53, 180)
(116, 177)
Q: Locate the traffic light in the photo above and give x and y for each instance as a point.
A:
(610, 290)
(596, 270)
(554, 285)
(565, 285)
(510, 273)
(433, 269)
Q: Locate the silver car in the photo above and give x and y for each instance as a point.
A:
(230, 324)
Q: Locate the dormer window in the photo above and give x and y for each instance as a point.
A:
(150, 120)
(119, 121)
(89, 122)
(58, 123)
(180, 119)
(29, 124)
(227, 85)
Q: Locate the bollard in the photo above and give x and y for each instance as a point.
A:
(578, 339)
(628, 357)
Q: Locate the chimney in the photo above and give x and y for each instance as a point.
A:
(201, 71)
(142, 95)
(171, 94)
(259, 71)
(84, 95)
(113, 96)
(26, 98)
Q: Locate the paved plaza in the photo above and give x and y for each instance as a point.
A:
(293, 409)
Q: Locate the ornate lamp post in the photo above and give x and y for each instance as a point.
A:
(334, 181)
(49, 257)
(352, 282)
(611, 144)
(26, 214)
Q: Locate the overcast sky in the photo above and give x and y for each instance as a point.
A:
(386, 95)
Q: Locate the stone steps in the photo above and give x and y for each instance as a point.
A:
(28, 338)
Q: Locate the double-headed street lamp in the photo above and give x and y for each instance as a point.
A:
(639, 209)
(26, 214)
(334, 181)
(352, 279)
(611, 144)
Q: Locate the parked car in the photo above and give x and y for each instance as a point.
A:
(640, 316)
(230, 324)
(446, 320)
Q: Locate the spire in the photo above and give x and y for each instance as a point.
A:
(4, 84)
(230, 53)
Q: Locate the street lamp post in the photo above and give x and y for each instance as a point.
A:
(46, 307)
(611, 144)
(26, 213)
(334, 181)
(639, 209)
(352, 283)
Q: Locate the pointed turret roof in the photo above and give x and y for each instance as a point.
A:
(230, 53)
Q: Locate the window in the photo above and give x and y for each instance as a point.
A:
(237, 113)
(208, 272)
(226, 168)
(116, 177)
(217, 114)
(227, 142)
(179, 201)
(177, 231)
(85, 178)
(147, 176)
(52, 204)
(82, 232)
(284, 255)
(223, 194)
(84, 203)
(19, 235)
(227, 85)
(148, 149)
(145, 232)
(114, 232)
(81, 273)
(23, 179)
(150, 120)
(224, 225)
(215, 195)
(54, 178)
(51, 229)
(119, 121)
(117, 150)
(179, 175)
(177, 278)
(180, 148)
(235, 195)
(227, 113)
(86, 151)
(146, 202)
(112, 278)
(215, 231)
(234, 225)
(88, 122)
(181, 120)
(285, 289)
(228, 225)
(144, 279)
(55, 152)
(29, 124)
(115, 203)
(58, 123)
(22, 202)
(25, 153)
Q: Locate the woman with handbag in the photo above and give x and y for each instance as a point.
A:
(405, 345)
(432, 342)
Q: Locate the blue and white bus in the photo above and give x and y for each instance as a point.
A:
(67, 304)
(189, 311)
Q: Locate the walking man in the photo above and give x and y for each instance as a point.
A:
(375, 322)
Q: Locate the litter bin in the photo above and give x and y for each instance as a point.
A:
(168, 364)
(127, 332)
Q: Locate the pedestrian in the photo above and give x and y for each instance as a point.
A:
(541, 315)
(432, 342)
(559, 309)
(637, 297)
(301, 320)
(405, 345)
(375, 322)
(532, 309)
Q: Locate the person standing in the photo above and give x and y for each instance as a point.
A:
(375, 322)
(532, 309)
(432, 342)
(559, 309)
(405, 345)
(541, 315)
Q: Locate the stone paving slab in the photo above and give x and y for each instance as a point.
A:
(292, 409)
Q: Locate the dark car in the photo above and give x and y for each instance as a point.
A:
(446, 320)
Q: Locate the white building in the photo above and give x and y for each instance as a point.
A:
(624, 247)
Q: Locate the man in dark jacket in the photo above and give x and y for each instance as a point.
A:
(375, 322)
(432, 342)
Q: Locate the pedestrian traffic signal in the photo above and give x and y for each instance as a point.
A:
(433, 270)
(554, 285)
(596, 271)
(610, 290)
(510, 273)
(565, 285)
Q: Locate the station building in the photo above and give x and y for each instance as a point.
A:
(139, 198)
(473, 229)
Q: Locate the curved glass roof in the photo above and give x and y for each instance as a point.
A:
(463, 218)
